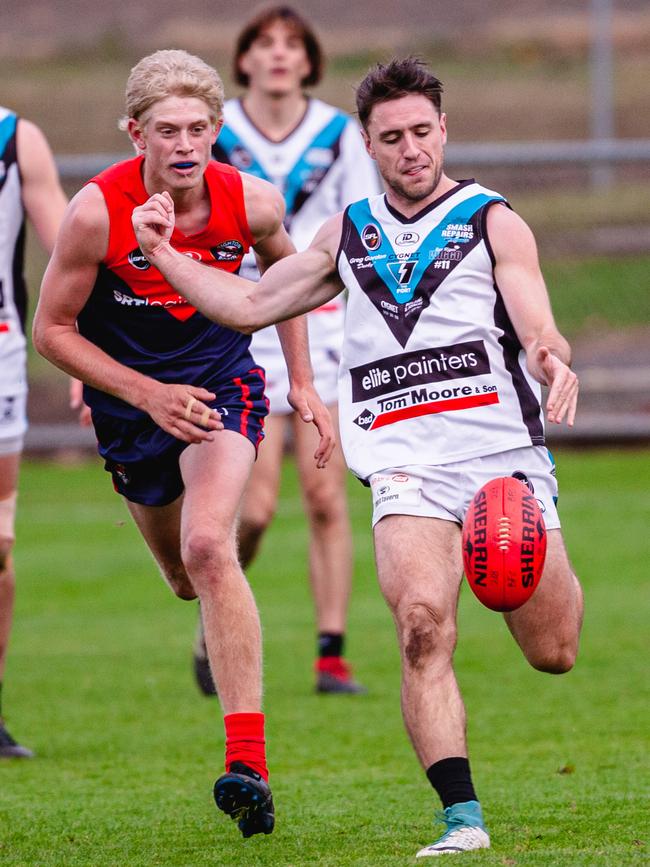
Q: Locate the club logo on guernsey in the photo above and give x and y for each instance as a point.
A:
(138, 260)
(228, 251)
(402, 272)
(370, 237)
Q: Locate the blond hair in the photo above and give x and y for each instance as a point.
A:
(171, 72)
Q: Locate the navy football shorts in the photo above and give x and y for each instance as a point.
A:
(143, 459)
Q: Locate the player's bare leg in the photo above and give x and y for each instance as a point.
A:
(194, 542)
(547, 627)
(215, 476)
(161, 528)
(419, 566)
(9, 465)
(330, 553)
(256, 513)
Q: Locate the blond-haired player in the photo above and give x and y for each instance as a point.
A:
(178, 402)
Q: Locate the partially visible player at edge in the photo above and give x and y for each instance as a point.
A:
(313, 153)
(29, 185)
(177, 402)
(449, 333)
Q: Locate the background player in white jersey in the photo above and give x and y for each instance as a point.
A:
(423, 342)
(314, 154)
(29, 184)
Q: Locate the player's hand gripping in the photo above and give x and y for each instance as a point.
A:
(310, 408)
(181, 411)
(153, 222)
(562, 383)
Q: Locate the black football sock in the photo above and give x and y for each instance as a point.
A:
(452, 780)
(330, 644)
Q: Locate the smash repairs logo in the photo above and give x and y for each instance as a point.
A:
(458, 232)
(436, 364)
(138, 260)
(371, 237)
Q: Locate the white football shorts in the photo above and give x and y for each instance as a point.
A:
(13, 423)
(325, 338)
(445, 490)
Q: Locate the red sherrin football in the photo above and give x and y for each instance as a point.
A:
(504, 544)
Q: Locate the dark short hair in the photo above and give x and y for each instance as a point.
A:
(267, 16)
(393, 80)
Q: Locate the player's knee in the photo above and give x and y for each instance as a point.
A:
(426, 634)
(324, 505)
(557, 661)
(206, 554)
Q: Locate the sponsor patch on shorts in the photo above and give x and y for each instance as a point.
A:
(396, 489)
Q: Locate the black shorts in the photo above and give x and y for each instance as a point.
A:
(144, 460)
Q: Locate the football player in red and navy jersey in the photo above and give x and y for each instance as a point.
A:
(177, 401)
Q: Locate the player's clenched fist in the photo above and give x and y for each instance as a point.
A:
(153, 222)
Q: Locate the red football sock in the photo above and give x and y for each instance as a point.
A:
(245, 741)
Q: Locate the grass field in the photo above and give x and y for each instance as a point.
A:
(99, 685)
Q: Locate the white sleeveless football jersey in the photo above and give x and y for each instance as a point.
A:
(13, 296)
(320, 168)
(432, 370)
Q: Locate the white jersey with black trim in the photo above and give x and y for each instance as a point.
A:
(13, 296)
(432, 370)
(320, 168)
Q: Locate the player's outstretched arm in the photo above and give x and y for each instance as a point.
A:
(265, 209)
(294, 285)
(520, 281)
(67, 284)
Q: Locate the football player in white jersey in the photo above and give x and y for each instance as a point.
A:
(447, 362)
(315, 155)
(29, 184)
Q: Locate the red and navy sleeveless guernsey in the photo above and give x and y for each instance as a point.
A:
(137, 318)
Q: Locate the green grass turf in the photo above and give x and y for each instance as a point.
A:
(599, 292)
(99, 684)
